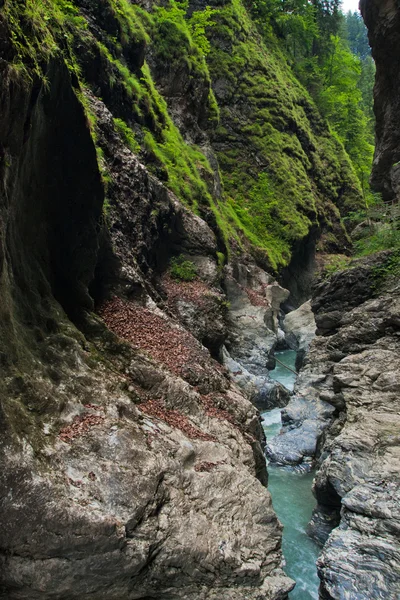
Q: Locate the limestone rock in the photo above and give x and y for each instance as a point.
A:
(300, 325)
(353, 368)
(261, 390)
(130, 466)
(362, 558)
(303, 423)
(254, 307)
(253, 332)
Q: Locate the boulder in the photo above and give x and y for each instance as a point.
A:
(299, 327)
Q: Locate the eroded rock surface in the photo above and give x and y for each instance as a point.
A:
(358, 313)
(352, 370)
(299, 326)
(254, 300)
(361, 458)
(130, 465)
(382, 18)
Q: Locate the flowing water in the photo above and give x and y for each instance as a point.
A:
(284, 376)
(293, 501)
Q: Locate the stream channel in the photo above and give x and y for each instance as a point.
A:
(293, 500)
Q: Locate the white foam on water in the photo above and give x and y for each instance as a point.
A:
(271, 417)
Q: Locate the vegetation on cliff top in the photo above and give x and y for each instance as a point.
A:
(282, 171)
(282, 168)
(330, 55)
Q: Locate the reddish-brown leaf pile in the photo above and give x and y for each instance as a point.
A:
(155, 408)
(256, 298)
(196, 292)
(217, 413)
(145, 330)
(81, 424)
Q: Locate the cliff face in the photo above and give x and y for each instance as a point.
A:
(358, 474)
(284, 176)
(345, 417)
(124, 465)
(210, 109)
(382, 19)
(130, 464)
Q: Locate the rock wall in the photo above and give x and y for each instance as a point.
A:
(131, 465)
(345, 415)
(359, 465)
(345, 412)
(125, 456)
(382, 18)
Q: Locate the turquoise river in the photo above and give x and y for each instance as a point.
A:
(293, 501)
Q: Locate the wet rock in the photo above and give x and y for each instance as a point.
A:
(361, 558)
(322, 522)
(303, 424)
(261, 390)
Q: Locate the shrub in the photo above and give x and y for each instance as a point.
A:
(183, 270)
(337, 262)
(382, 231)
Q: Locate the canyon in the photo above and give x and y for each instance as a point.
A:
(142, 307)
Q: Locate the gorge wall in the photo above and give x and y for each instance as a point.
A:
(131, 465)
(359, 459)
(345, 412)
(382, 20)
(345, 415)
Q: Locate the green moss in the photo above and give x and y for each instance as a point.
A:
(282, 172)
(388, 272)
(180, 41)
(221, 260)
(92, 124)
(213, 113)
(336, 263)
(183, 270)
(36, 27)
(179, 164)
(130, 20)
(127, 135)
(281, 169)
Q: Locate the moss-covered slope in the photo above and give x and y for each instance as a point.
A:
(282, 169)
(213, 111)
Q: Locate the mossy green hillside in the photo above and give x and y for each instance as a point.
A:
(282, 169)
